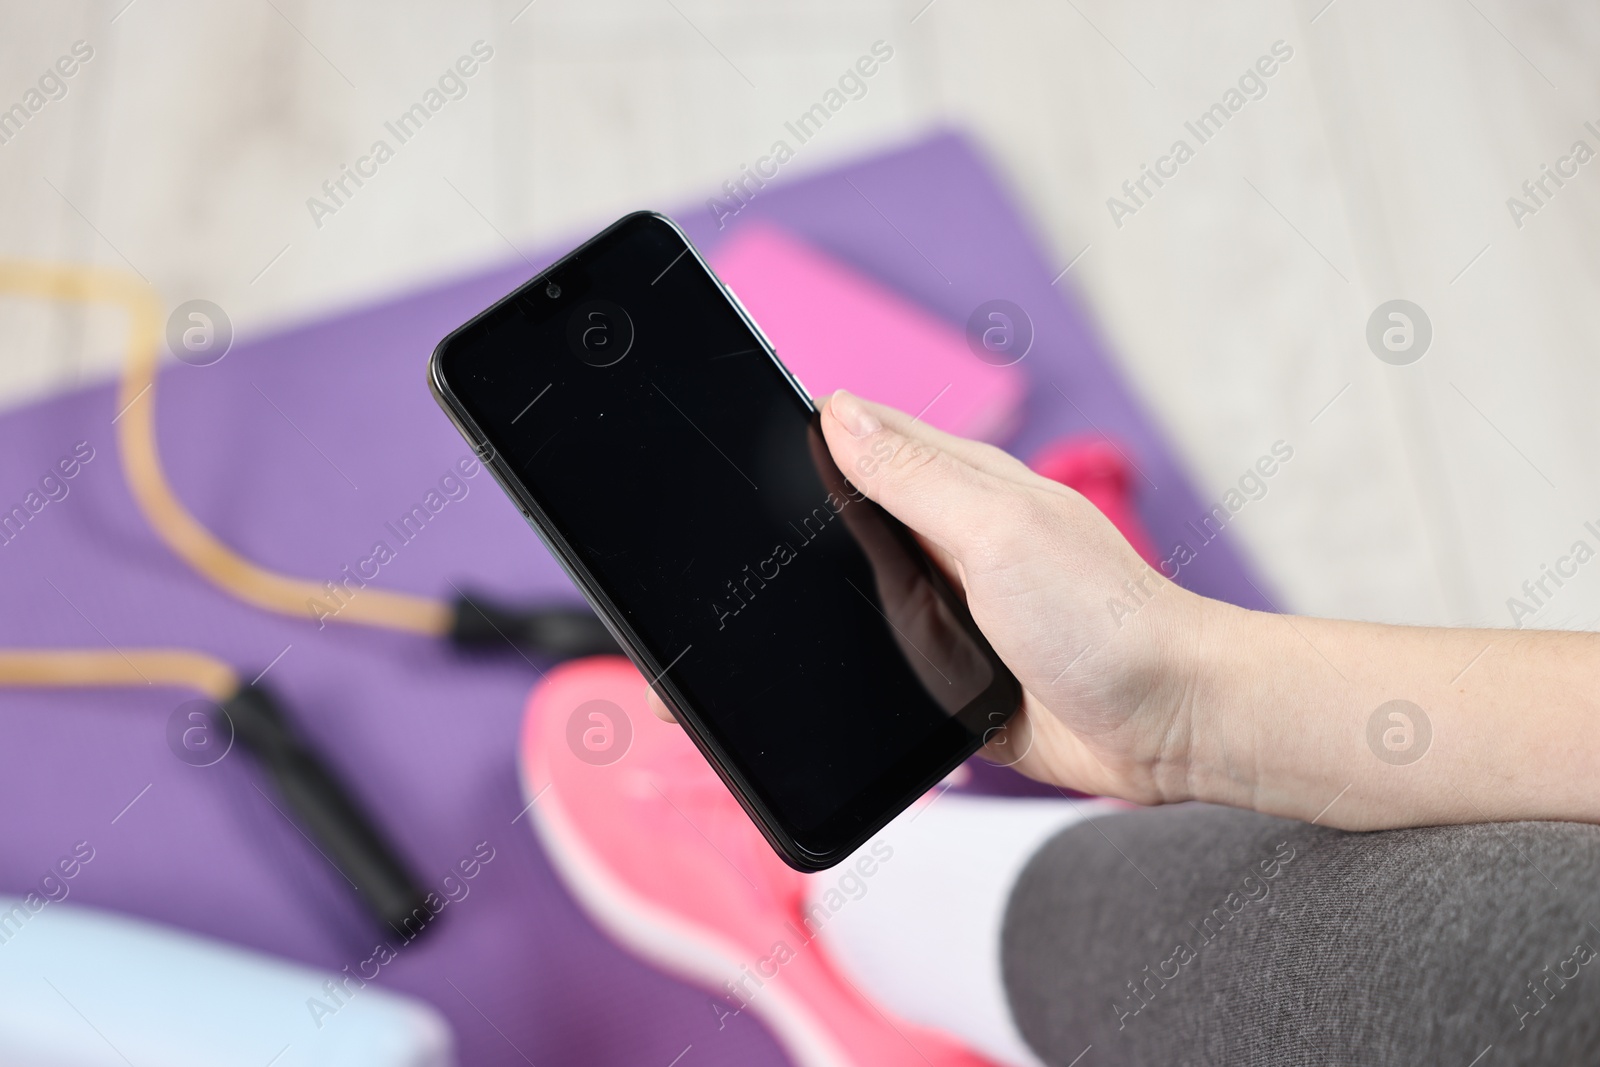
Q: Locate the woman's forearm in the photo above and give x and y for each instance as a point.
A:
(1365, 726)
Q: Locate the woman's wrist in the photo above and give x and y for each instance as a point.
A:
(1268, 724)
(1197, 649)
(1207, 757)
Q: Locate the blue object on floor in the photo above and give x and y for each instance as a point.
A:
(80, 987)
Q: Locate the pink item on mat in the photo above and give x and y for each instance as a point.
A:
(657, 851)
(838, 329)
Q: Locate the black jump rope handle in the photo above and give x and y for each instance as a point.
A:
(485, 625)
(327, 812)
(330, 815)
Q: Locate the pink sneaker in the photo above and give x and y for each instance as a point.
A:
(661, 856)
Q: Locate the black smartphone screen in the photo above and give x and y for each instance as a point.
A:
(665, 454)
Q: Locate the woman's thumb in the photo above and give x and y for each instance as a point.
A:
(901, 464)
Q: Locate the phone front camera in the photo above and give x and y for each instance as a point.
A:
(552, 290)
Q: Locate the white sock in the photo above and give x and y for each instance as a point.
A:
(922, 938)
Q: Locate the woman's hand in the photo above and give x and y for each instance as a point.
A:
(1104, 645)
(1135, 688)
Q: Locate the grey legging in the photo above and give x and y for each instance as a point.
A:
(1202, 935)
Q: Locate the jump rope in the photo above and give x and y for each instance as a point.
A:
(251, 714)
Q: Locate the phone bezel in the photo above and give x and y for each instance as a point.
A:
(772, 828)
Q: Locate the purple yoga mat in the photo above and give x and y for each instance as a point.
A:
(297, 449)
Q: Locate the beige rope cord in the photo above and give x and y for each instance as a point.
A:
(179, 668)
(141, 463)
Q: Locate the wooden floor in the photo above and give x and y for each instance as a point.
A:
(1376, 166)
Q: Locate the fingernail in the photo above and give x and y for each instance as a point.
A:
(853, 414)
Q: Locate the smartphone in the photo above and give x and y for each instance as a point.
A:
(645, 427)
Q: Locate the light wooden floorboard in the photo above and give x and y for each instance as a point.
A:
(1376, 166)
